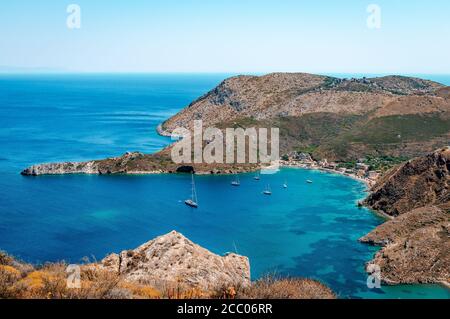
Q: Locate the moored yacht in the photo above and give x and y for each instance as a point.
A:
(192, 202)
(267, 191)
(236, 181)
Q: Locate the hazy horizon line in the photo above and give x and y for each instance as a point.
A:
(50, 71)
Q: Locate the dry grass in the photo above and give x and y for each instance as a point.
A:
(22, 281)
(286, 288)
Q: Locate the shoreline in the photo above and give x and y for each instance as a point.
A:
(369, 183)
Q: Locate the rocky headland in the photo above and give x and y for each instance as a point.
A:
(340, 120)
(416, 241)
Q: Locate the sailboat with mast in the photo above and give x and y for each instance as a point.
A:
(192, 202)
(267, 191)
(236, 181)
(256, 177)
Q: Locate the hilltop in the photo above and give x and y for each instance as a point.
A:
(341, 119)
(296, 94)
(336, 119)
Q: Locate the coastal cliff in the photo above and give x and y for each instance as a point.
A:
(416, 242)
(416, 247)
(136, 163)
(419, 182)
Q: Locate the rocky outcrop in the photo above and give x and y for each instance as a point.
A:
(130, 162)
(173, 258)
(416, 247)
(136, 163)
(62, 168)
(416, 242)
(419, 182)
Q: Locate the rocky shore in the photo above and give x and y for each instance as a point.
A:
(136, 163)
(416, 241)
(416, 247)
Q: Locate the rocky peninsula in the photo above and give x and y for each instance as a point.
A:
(339, 120)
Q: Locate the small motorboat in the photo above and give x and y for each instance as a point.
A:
(309, 181)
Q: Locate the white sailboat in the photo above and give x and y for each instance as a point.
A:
(267, 191)
(192, 202)
(285, 185)
(256, 177)
(236, 181)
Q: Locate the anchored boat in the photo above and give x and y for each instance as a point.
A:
(236, 181)
(192, 202)
(267, 191)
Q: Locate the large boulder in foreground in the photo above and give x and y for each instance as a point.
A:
(174, 259)
(416, 247)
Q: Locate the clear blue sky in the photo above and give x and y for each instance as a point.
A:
(227, 36)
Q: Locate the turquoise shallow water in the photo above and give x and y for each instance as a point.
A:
(307, 230)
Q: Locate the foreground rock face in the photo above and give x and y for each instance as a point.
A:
(416, 247)
(173, 259)
(420, 182)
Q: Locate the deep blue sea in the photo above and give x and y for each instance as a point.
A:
(307, 230)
